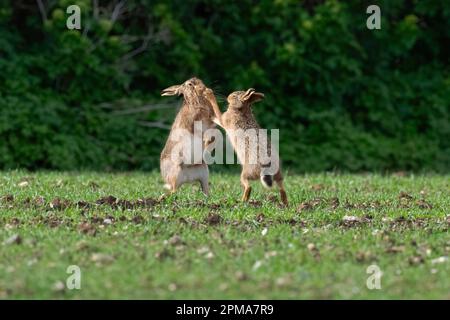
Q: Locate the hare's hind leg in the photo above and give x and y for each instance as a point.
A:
(171, 188)
(247, 188)
(205, 186)
(202, 173)
(170, 173)
(279, 180)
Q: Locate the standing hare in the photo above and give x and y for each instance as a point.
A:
(184, 142)
(240, 124)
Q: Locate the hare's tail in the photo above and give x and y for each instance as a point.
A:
(267, 181)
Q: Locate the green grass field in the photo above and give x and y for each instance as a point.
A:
(187, 246)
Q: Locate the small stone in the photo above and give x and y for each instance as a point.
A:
(439, 260)
(257, 265)
(172, 287)
(14, 239)
(23, 184)
(58, 286)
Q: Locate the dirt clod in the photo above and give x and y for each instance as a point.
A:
(107, 200)
(7, 198)
(87, 228)
(404, 195)
(59, 204)
(213, 219)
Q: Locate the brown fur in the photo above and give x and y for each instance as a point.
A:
(240, 116)
(196, 107)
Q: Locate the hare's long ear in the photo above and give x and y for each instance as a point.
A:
(171, 91)
(246, 96)
(251, 96)
(256, 96)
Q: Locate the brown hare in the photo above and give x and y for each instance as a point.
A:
(239, 122)
(184, 142)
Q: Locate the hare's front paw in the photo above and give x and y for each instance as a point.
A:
(217, 121)
(208, 93)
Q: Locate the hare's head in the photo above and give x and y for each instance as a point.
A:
(190, 89)
(241, 99)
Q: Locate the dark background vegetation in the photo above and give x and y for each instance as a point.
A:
(345, 97)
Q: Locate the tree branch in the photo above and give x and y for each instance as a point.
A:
(117, 11)
(140, 49)
(156, 124)
(42, 10)
(144, 109)
(95, 13)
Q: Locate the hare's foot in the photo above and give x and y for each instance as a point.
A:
(170, 190)
(205, 187)
(284, 199)
(246, 194)
(247, 188)
(283, 194)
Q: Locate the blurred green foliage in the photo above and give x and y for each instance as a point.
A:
(344, 97)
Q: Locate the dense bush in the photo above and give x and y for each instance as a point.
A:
(344, 97)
